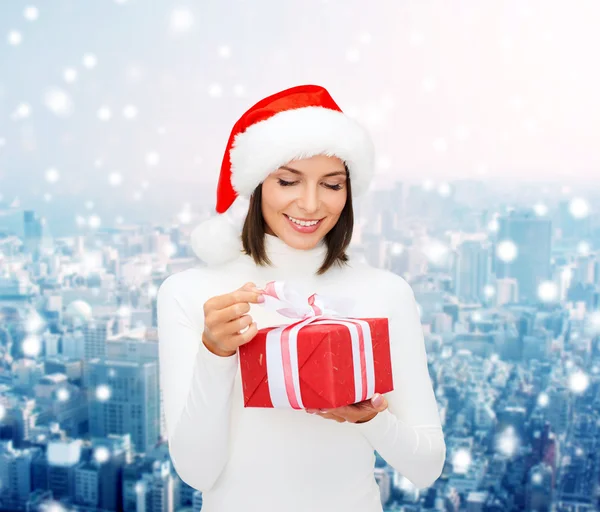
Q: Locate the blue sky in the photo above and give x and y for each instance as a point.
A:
(448, 89)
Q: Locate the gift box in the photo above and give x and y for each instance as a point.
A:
(322, 360)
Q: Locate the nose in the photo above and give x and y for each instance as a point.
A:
(309, 200)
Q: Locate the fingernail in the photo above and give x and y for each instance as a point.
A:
(377, 400)
(261, 299)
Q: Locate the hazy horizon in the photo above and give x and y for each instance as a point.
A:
(116, 101)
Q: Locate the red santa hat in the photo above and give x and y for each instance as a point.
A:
(296, 123)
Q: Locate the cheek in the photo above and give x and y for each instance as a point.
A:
(335, 205)
(274, 199)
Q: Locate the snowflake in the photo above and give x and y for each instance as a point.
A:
(94, 221)
(101, 454)
(70, 75)
(115, 178)
(14, 38)
(32, 346)
(103, 392)
(104, 113)
(130, 112)
(52, 175)
(579, 208)
(31, 13)
(181, 21)
(507, 251)
(90, 61)
(548, 291)
(152, 159)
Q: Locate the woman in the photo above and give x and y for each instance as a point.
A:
(301, 162)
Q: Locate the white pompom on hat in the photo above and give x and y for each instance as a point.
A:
(296, 123)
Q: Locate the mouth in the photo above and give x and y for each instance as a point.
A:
(303, 225)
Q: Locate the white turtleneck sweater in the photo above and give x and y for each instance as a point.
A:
(275, 460)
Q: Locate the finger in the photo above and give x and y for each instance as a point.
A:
(347, 413)
(222, 316)
(245, 337)
(251, 287)
(234, 326)
(379, 403)
(330, 416)
(229, 299)
(358, 411)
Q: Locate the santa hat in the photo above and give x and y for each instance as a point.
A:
(296, 123)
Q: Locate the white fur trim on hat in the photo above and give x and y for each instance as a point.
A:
(296, 134)
(216, 240)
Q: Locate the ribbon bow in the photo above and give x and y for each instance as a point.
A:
(285, 300)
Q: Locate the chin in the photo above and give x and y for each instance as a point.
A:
(301, 241)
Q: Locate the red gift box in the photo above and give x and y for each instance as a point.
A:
(317, 365)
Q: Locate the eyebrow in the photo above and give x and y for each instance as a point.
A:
(296, 171)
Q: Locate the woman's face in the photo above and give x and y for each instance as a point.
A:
(302, 192)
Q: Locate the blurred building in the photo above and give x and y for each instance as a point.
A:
(472, 270)
(532, 237)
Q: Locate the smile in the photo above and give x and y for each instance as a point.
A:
(303, 226)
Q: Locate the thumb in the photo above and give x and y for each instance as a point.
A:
(379, 402)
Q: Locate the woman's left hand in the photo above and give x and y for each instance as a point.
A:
(355, 413)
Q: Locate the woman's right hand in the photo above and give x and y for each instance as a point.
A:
(225, 316)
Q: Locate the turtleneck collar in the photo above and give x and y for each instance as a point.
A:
(294, 261)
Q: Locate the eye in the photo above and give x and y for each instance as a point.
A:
(334, 187)
(284, 183)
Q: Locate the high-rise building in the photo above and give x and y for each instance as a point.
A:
(95, 333)
(538, 490)
(86, 484)
(15, 475)
(158, 490)
(585, 268)
(140, 344)
(32, 233)
(98, 481)
(530, 266)
(63, 458)
(507, 291)
(132, 485)
(473, 269)
(130, 403)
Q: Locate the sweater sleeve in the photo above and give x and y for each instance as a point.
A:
(408, 435)
(197, 387)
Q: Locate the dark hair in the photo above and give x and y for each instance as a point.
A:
(337, 239)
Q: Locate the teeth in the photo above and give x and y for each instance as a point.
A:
(303, 223)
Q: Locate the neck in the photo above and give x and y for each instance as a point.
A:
(294, 261)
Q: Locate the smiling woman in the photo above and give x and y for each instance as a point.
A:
(301, 162)
(302, 203)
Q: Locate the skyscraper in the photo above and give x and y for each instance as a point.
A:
(532, 237)
(473, 269)
(32, 233)
(131, 404)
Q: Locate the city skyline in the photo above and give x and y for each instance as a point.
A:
(113, 120)
(513, 353)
